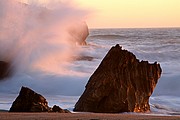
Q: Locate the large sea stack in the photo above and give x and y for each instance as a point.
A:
(121, 83)
(30, 101)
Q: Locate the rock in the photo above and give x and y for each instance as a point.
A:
(29, 101)
(82, 58)
(60, 110)
(5, 70)
(121, 83)
(79, 32)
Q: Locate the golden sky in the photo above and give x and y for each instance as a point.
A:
(131, 13)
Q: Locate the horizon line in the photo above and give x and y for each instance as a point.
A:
(134, 27)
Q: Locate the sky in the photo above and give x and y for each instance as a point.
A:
(130, 13)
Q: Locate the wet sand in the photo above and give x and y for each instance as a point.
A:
(81, 116)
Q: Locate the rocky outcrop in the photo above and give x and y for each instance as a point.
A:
(30, 101)
(121, 83)
(79, 32)
(4, 70)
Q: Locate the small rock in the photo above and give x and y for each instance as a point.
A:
(29, 101)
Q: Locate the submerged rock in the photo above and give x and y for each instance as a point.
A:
(82, 58)
(5, 70)
(121, 83)
(30, 101)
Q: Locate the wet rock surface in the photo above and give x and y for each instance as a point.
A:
(121, 83)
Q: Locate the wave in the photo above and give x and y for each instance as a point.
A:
(168, 105)
(107, 37)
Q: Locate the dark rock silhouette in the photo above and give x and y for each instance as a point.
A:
(30, 101)
(5, 70)
(121, 83)
(82, 58)
(60, 110)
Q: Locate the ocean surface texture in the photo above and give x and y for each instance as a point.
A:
(62, 85)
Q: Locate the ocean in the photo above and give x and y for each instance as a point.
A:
(43, 56)
(152, 44)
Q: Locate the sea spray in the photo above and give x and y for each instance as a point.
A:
(35, 36)
(39, 43)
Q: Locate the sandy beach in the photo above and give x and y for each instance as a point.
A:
(81, 116)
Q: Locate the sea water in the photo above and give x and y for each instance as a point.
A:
(43, 57)
(156, 44)
(151, 44)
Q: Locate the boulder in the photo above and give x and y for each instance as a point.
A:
(5, 70)
(30, 101)
(121, 83)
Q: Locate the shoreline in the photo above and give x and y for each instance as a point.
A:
(83, 116)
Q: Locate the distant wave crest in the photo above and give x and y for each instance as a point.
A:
(105, 37)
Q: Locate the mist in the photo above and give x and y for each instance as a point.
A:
(37, 40)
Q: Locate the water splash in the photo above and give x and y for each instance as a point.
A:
(39, 40)
(37, 37)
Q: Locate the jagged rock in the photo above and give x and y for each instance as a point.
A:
(121, 83)
(60, 110)
(4, 70)
(30, 101)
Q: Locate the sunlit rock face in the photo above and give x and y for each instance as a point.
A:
(121, 83)
(5, 70)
